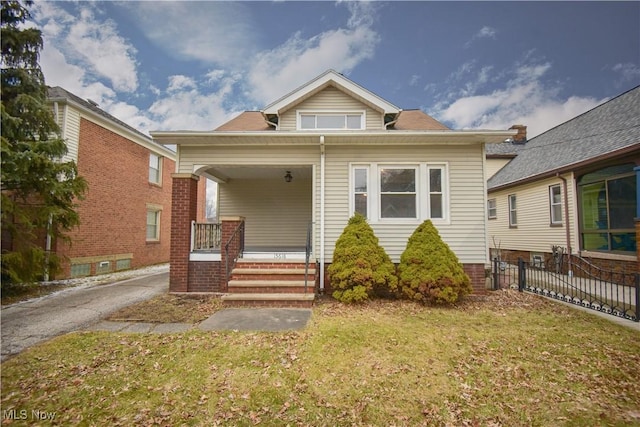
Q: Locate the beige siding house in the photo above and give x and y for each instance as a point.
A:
(306, 163)
(574, 186)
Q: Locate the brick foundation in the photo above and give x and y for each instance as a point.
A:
(205, 276)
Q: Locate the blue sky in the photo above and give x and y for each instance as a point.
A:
(166, 65)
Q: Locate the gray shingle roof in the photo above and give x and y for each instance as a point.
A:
(59, 93)
(609, 127)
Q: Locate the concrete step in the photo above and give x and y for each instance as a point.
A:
(268, 300)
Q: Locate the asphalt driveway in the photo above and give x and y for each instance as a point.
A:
(31, 322)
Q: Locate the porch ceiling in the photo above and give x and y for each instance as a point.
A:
(235, 172)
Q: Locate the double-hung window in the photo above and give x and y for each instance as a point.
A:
(398, 195)
(555, 204)
(391, 192)
(153, 224)
(492, 209)
(513, 211)
(155, 168)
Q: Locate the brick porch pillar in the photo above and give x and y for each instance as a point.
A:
(184, 205)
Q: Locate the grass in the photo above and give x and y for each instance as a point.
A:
(167, 308)
(512, 360)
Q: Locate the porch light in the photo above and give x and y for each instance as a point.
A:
(288, 177)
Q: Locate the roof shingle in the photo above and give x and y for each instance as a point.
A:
(609, 127)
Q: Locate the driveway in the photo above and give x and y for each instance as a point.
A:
(31, 322)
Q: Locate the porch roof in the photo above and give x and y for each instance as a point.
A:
(379, 137)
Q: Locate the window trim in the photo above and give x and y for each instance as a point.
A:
(555, 222)
(494, 209)
(361, 113)
(159, 169)
(514, 210)
(423, 202)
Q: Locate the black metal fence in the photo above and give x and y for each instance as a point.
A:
(574, 280)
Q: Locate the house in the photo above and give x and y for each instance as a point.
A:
(574, 186)
(292, 174)
(125, 215)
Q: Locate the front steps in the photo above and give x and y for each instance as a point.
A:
(270, 283)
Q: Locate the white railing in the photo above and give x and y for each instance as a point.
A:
(205, 236)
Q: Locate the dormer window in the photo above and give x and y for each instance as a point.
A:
(331, 121)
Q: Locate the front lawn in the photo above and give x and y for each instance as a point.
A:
(514, 359)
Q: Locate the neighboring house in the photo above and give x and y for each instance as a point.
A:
(125, 215)
(309, 161)
(574, 186)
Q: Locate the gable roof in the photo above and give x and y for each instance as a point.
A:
(58, 94)
(330, 78)
(609, 129)
(407, 120)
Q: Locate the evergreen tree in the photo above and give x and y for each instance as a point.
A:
(39, 190)
(429, 270)
(360, 268)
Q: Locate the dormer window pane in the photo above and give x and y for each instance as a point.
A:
(354, 122)
(330, 122)
(308, 121)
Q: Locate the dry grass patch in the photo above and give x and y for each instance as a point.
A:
(512, 359)
(168, 308)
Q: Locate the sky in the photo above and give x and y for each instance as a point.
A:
(169, 65)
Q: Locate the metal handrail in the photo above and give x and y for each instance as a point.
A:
(307, 255)
(239, 231)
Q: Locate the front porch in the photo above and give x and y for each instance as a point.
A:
(215, 257)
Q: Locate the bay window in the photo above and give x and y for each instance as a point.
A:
(391, 192)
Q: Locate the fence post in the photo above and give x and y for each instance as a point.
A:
(637, 297)
(496, 279)
(521, 274)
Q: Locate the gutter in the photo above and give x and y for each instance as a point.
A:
(566, 215)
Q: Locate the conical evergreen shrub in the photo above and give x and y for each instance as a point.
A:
(360, 268)
(429, 271)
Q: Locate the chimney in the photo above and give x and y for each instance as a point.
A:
(521, 136)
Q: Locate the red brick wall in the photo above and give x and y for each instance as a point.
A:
(206, 276)
(113, 214)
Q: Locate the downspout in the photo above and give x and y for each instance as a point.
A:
(322, 214)
(566, 216)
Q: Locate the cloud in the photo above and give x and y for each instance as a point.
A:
(525, 98)
(278, 71)
(485, 32)
(414, 80)
(84, 47)
(210, 32)
(628, 72)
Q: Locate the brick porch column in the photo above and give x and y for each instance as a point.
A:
(184, 204)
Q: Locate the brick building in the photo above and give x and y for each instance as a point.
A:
(126, 214)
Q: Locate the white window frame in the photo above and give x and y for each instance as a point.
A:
(158, 216)
(158, 169)
(316, 113)
(415, 193)
(354, 193)
(513, 209)
(423, 199)
(553, 220)
(492, 211)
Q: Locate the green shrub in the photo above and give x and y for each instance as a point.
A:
(429, 271)
(360, 267)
